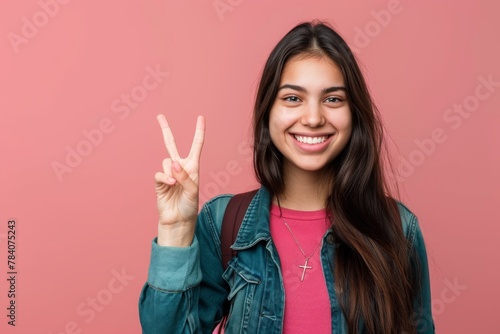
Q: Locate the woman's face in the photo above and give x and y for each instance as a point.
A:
(310, 120)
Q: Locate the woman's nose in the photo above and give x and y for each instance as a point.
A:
(313, 115)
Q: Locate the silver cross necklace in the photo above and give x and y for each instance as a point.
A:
(305, 266)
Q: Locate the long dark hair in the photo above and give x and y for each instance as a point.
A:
(375, 279)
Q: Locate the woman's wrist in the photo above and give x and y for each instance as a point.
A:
(176, 235)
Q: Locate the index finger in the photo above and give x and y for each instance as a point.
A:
(199, 137)
(168, 137)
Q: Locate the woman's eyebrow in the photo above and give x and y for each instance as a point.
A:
(302, 89)
(294, 87)
(333, 89)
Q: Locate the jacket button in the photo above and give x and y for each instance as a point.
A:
(329, 239)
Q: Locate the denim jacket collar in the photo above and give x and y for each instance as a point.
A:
(255, 225)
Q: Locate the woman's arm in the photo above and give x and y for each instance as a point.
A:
(423, 303)
(185, 291)
(169, 299)
(422, 316)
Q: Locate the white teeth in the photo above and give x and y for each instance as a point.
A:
(310, 140)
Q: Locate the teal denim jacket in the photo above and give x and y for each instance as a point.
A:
(187, 287)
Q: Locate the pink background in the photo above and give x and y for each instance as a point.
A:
(79, 228)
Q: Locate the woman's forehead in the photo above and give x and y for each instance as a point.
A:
(311, 71)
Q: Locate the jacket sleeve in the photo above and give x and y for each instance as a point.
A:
(422, 316)
(185, 291)
(168, 298)
(423, 303)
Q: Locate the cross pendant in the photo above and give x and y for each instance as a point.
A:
(304, 268)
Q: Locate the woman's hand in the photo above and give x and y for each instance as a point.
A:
(177, 188)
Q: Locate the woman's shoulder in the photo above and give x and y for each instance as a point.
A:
(214, 209)
(216, 205)
(409, 221)
(219, 202)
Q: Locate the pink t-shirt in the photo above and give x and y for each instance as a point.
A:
(307, 305)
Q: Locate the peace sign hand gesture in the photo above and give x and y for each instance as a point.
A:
(177, 188)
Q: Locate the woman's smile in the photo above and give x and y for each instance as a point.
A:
(311, 143)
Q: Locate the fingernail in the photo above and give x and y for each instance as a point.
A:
(177, 166)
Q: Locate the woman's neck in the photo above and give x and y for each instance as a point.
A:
(306, 191)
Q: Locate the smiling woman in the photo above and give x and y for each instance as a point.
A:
(323, 247)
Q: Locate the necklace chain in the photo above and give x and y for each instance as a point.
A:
(297, 242)
(305, 266)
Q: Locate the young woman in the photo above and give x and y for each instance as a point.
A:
(323, 247)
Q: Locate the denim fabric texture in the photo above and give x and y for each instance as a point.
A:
(187, 287)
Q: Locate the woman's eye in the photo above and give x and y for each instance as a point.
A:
(333, 99)
(291, 99)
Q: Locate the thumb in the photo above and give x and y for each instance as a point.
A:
(182, 177)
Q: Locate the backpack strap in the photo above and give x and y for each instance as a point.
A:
(233, 217)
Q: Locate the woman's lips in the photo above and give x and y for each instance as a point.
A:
(312, 147)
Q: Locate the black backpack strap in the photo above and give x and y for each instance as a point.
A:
(233, 217)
